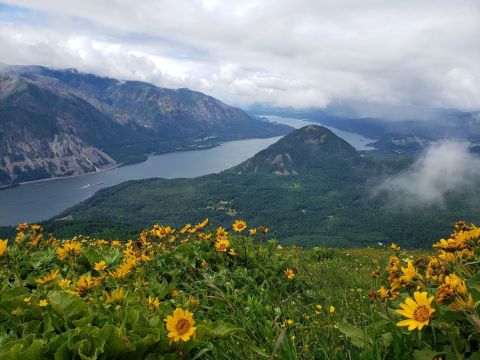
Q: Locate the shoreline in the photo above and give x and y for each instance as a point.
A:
(61, 177)
(181, 149)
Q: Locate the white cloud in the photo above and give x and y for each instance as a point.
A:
(445, 167)
(288, 53)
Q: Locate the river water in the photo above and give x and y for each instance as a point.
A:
(39, 201)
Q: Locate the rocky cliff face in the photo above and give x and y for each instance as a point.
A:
(62, 122)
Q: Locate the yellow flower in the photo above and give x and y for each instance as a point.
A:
(287, 322)
(410, 273)
(416, 311)
(451, 287)
(116, 296)
(64, 283)
(123, 269)
(43, 303)
(232, 252)
(3, 247)
(252, 231)
(174, 293)
(153, 302)
(331, 309)
(27, 300)
(19, 237)
(22, 227)
(86, 283)
(435, 270)
(239, 225)
(201, 225)
(383, 292)
(115, 243)
(100, 266)
(180, 325)
(395, 247)
(221, 232)
(289, 273)
(192, 300)
(49, 278)
(221, 245)
(70, 249)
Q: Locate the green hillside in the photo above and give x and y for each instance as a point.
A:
(311, 191)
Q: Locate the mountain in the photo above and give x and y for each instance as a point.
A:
(303, 151)
(310, 187)
(63, 122)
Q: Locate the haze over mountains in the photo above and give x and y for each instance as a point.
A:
(62, 122)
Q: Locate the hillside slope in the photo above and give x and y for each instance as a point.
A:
(330, 203)
(62, 122)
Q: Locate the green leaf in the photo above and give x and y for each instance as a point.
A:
(355, 335)
(425, 354)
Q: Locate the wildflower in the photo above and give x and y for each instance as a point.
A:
(279, 247)
(22, 227)
(19, 237)
(450, 289)
(116, 296)
(394, 247)
(192, 300)
(435, 270)
(221, 232)
(201, 225)
(232, 253)
(43, 303)
(450, 245)
(416, 311)
(64, 283)
(174, 293)
(153, 302)
(3, 247)
(115, 243)
(289, 273)
(410, 273)
(180, 325)
(221, 245)
(100, 266)
(185, 228)
(27, 300)
(331, 309)
(70, 249)
(86, 283)
(383, 292)
(287, 322)
(49, 278)
(239, 225)
(123, 269)
(252, 232)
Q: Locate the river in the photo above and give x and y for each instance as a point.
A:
(33, 202)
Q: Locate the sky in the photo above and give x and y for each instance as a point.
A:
(394, 55)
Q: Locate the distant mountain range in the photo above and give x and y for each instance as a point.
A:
(63, 122)
(396, 136)
(311, 187)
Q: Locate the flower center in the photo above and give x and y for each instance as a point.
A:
(421, 314)
(182, 326)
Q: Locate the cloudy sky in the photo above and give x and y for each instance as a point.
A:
(300, 53)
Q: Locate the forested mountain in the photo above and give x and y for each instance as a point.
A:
(63, 122)
(311, 187)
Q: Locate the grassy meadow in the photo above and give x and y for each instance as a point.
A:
(207, 292)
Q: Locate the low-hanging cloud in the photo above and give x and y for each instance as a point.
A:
(445, 167)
